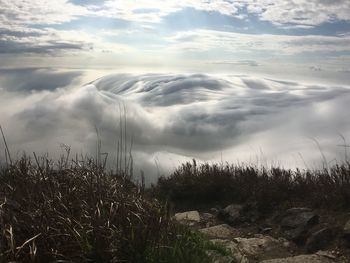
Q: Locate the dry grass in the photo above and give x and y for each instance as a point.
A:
(77, 212)
(266, 189)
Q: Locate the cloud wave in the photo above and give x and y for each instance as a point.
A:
(174, 117)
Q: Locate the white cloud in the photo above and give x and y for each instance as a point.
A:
(284, 13)
(299, 12)
(204, 40)
(179, 116)
(146, 11)
(30, 12)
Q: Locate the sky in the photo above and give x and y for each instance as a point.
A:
(255, 81)
(201, 35)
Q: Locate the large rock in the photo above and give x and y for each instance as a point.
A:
(321, 239)
(220, 232)
(188, 218)
(296, 223)
(231, 214)
(314, 258)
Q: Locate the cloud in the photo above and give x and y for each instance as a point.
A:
(28, 27)
(141, 11)
(53, 42)
(14, 47)
(250, 63)
(31, 79)
(302, 13)
(35, 12)
(299, 13)
(204, 40)
(173, 118)
(315, 68)
(42, 27)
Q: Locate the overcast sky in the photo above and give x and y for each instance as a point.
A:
(235, 80)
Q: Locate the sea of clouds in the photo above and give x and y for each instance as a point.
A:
(172, 118)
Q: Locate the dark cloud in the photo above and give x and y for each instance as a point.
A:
(315, 68)
(50, 47)
(253, 84)
(20, 33)
(35, 79)
(251, 63)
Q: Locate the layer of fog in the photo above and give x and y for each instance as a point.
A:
(172, 118)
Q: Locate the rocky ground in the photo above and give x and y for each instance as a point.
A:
(286, 236)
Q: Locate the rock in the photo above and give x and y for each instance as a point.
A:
(233, 248)
(188, 218)
(297, 210)
(299, 217)
(346, 230)
(320, 239)
(220, 232)
(296, 223)
(208, 219)
(208, 216)
(297, 235)
(214, 210)
(326, 254)
(285, 243)
(266, 230)
(252, 249)
(231, 214)
(261, 247)
(315, 258)
(218, 258)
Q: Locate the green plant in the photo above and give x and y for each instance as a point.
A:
(185, 245)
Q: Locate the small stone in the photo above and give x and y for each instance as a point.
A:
(285, 243)
(346, 230)
(326, 254)
(231, 214)
(297, 210)
(220, 231)
(301, 259)
(190, 217)
(214, 211)
(266, 230)
(208, 216)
